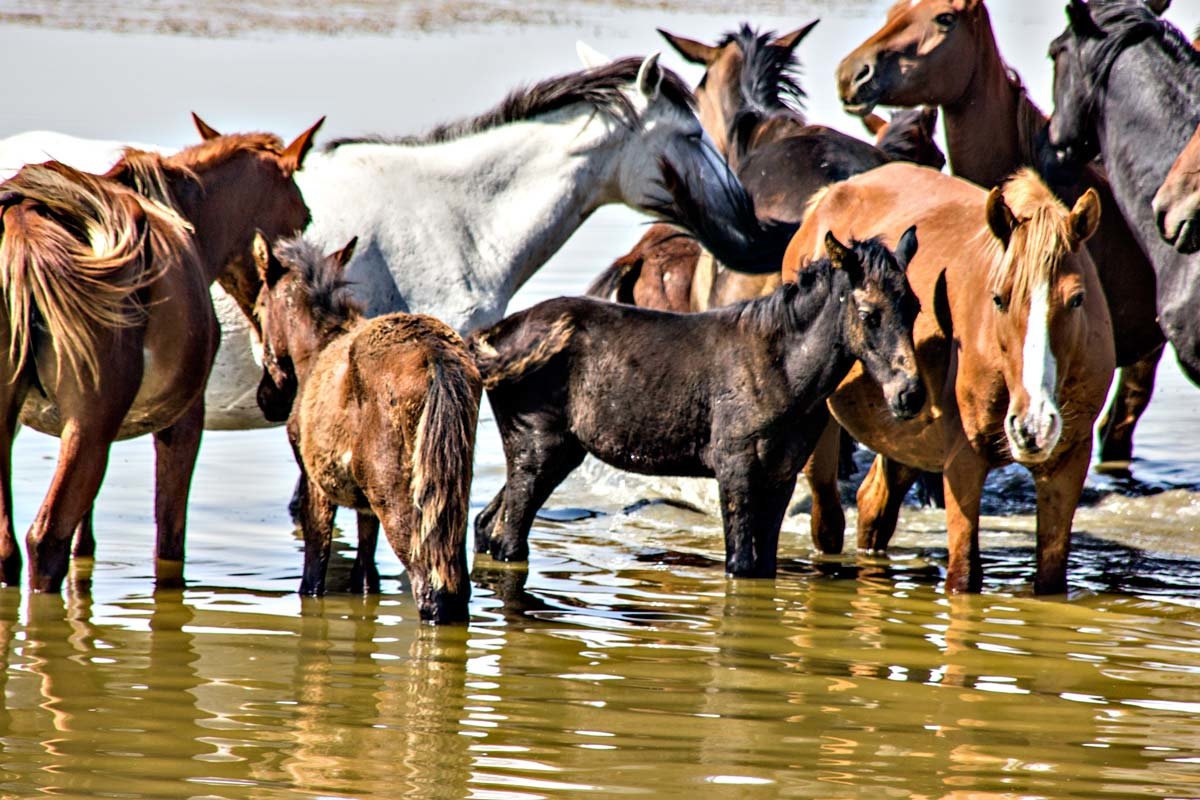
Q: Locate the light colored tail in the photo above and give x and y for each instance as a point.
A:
(442, 463)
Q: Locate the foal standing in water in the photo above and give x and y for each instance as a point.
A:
(385, 424)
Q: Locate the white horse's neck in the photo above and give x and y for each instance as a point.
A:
(489, 209)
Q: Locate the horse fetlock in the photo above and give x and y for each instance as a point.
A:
(49, 561)
(364, 578)
(503, 548)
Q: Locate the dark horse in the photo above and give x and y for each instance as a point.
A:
(750, 104)
(384, 424)
(1125, 87)
(737, 393)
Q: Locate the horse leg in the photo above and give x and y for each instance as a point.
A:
(175, 450)
(1058, 493)
(1135, 385)
(364, 576)
(879, 500)
(963, 476)
(12, 395)
(82, 460)
(828, 519)
(770, 507)
(533, 475)
(316, 523)
(85, 537)
(485, 522)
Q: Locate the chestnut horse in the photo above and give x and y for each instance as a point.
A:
(749, 102)
(1177, 202)
(935, 52)
(110, 331)
(381, 415)
(1013, 341)
(737, 394)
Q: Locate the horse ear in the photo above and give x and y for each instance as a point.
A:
(590, 56)
(691, 50)
(999, 217)
(842, 257)
(342, 257)
(907, 248)
(206, 131)
(649, 77)
(1081, 20)
(874, 123)
(789, 40)
(269, 268)
(293, 155)
(1159, 7)
(1085, 216)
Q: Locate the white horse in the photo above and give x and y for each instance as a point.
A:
(454, 222)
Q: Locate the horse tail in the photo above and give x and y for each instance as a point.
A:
(616, 282)
(502, 361)
(442, 460)
(73, 256)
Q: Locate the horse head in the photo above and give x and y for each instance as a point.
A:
(1040, 304)
(923, 55)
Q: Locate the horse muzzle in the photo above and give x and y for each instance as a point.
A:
(444, 607)
(1033, 436)
(907, 399)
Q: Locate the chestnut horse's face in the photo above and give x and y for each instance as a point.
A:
(1040, 314)
(879, 317)
(924, 54)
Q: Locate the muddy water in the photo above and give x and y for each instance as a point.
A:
(621, 662)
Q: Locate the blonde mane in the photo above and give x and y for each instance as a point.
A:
(1041, 238)
(76, 249)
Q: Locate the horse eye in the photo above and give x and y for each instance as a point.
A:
(1076, 300)
(870, 317)
(946, 20)
(1001, 306)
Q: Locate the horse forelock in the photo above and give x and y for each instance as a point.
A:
(604, 88)
(325, 291)
(770, 75)
(1040, 241)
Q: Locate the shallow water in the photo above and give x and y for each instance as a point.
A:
(622, 661)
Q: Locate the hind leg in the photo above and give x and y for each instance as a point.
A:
(316, 522)
(485, 522)
(534, 472)
(175, 451)
(1135, 386)
(828, 519)
(12, 396)
(85, 537)
(879, 500)
(364, 576)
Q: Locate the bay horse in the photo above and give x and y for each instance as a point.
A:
(737, 393)
(1177, 202)
(751, 105)
(109, 330)
(381, 415)
(1123, 75)
(1014, 344)
(934, 52)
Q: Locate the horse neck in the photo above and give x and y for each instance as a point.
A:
(813, 347)
(983, 138)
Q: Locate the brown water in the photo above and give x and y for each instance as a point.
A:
(622, 662)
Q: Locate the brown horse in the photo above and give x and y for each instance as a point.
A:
(1013, 341)
(109, 330)
(749, 103)
(934, 52)
(385, 424)
(908, 135)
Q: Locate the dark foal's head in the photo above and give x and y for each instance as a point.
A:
(910, 135)
(879, 313)
(301, 303)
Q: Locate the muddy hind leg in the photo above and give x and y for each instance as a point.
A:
(1135, 386)
(364, 576)
(85, 536)
(752, 514)
(828, 519)
(316, 523)
(485, 522)
(1057, 497)
(12, 396)
(879, 500)
(175, 451)
(533, 475)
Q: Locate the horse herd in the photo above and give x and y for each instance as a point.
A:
(804, 285)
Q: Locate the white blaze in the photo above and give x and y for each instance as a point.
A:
(1039, 374)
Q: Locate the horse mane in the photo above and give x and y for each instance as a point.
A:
(1125, 23)
(75, 254)
(326, 292)
(1041, 238)
(602, 87)
(770, 75)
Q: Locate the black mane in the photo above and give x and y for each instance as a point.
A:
(770, 76)
(603, 87)
(326, 292)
